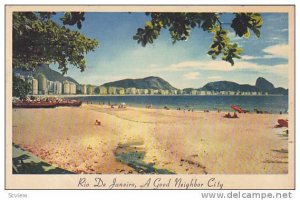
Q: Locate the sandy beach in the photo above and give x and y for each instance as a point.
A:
(140, 140)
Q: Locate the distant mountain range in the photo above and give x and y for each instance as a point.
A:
(150, 82)
(50, 74)
(261, 85)
(228, 86)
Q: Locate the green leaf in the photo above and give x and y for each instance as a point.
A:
(256, 32)
(149, 24)
(247, 34)
(135, 37)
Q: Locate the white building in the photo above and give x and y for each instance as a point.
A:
(90, 89)
(66, 87)
(231, 93)
(112, 90)
(222, 92)
(151, 91)
(174, 92)
(194, 92)
(145, 91)
(161, 91)
(121, 91)
(209, 93)
(35, 86)
(42, 83)
(201, 92)
(103, 90)
(138, 91)
(50, 87)
(131, 90)
(83, 89)
(72, 88)
(57, 87)
(246, 93)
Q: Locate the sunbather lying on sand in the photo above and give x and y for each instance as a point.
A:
(229, 116)
(97, 123)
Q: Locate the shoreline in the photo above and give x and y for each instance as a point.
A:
(185, 110)
(144, 95)
(256, 104)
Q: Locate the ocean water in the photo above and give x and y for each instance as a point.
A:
(274, 104)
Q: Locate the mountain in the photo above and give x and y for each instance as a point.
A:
(263, 84)
(220, 86)
(48, 72)
(150, 82)
(228, 86)
(279, 90)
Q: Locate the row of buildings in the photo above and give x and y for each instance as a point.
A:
(203, 92)
(41, 86)
(102, 90)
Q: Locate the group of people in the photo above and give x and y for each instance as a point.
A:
(228, 115)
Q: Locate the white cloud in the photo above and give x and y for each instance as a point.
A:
(277, 51)
(213, 65)
(222, 66)
(204, 65)
(247, 57)
(191, 75)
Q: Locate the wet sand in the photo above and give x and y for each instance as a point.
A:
(140, 140)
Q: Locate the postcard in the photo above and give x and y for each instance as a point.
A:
(150, 97)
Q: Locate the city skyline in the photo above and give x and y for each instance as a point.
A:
(40, 85)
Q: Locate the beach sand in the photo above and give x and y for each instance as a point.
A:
(140, 140)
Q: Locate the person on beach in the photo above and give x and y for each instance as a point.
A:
(97, 123)
(235, 115)
(227, 115)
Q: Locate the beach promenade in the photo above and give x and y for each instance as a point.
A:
(140, 140)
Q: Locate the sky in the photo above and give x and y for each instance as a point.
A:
(185, 63)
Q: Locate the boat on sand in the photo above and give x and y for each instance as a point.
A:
(46, 103)
(34, 104)
(73, 103)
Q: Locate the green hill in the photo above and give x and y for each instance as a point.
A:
(50, 74)
(150, 82)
